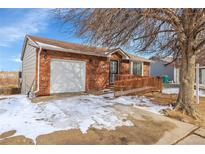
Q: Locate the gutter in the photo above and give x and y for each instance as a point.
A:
(73, 51)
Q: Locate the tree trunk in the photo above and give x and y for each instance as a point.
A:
(185, 100)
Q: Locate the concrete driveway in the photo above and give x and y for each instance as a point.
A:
(182, 133)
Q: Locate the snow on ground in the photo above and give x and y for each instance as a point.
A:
(176, 91)
(31, 120)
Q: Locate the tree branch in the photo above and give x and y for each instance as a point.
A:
(154, 33)
(199, 45)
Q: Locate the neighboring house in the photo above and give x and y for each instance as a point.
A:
(159, 68)
(202, 75)
(51, 66)
(201, 61)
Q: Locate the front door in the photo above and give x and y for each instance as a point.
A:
(113, 71)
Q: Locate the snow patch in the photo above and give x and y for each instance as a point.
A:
(176, 91)
(140, 102)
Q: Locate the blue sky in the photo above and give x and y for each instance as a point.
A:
(16, 23)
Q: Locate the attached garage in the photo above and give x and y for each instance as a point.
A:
(67, 76)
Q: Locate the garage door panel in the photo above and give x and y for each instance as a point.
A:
(67, 76)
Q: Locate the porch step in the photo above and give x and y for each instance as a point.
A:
(110, 87)
(107, 90)
(101, 92)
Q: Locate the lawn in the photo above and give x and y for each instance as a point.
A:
(169, 95)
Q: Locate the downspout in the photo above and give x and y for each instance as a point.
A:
(38, 81)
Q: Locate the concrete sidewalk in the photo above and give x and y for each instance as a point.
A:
(195, 138)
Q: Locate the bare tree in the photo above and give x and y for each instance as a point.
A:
(167, 32)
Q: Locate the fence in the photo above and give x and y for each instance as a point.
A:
(9, 79)
(133, 84)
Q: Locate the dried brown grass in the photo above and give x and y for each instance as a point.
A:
(167, 99)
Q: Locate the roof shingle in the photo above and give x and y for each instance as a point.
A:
(80, 47)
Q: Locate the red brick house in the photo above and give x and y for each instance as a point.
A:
(51, 66)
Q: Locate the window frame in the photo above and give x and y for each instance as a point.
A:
(142, 68)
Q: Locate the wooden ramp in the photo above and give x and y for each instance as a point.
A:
(135, 91)
(137, 85)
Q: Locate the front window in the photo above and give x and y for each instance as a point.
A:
(137, 68)
(202, 76)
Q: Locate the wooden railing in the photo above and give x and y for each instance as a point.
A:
(126, 76)
(133, 84)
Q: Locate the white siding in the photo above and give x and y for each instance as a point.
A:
(28, 68)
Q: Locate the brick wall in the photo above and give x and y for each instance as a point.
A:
(97, 70)
(125, 67)
(146, 68)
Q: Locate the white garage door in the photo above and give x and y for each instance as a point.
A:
(67, 76)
